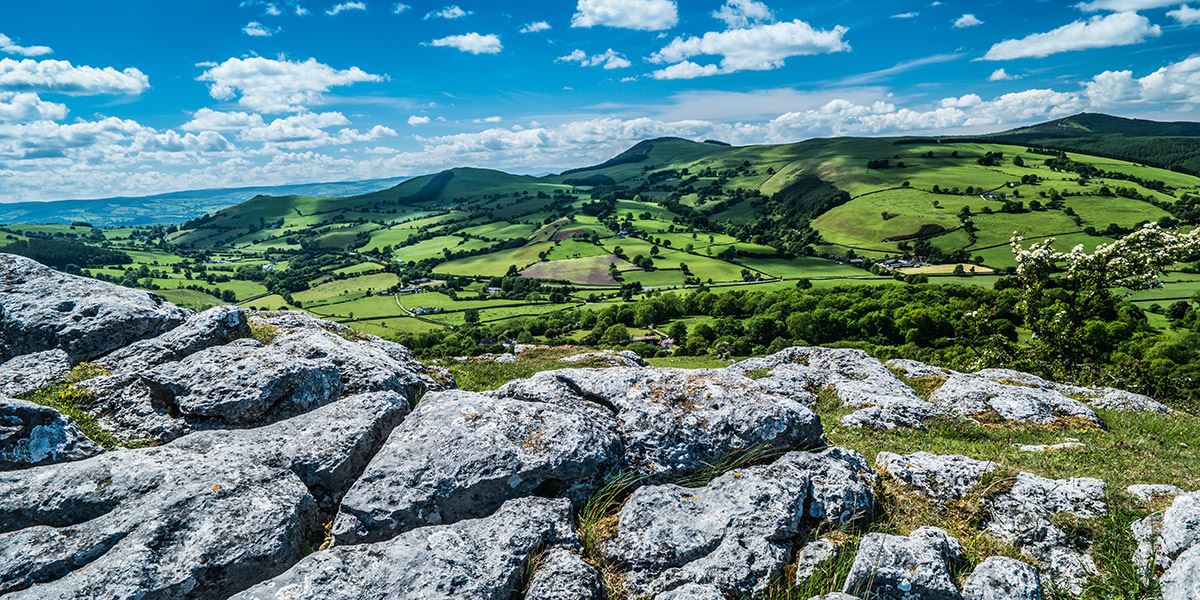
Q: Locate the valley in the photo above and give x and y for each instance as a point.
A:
(471, 246)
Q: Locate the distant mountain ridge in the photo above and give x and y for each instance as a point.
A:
(172, 207)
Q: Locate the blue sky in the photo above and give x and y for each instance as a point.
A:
(136, 97)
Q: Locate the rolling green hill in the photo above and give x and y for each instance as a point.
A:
(666, 214)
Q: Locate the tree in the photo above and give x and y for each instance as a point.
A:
(471, 316)
(615, 335)
(1061, 292)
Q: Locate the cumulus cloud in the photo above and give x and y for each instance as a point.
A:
(62, 77)
(473, 43)
(967, 20)
(1124, 5)
(207, 119)
(737, 14)
(1175, 83)
(449, 13)
(270, 85)
(609, 59)
(491, 119)
(1117, 29)
(416, 120)
(8, 46)
(906, 15)
(758, 48)
(645, 15)
(28, 106)
(256, 29)
(1002, 75)
(399, 8)
(338, 9)
(1185, 15)
(535, 27)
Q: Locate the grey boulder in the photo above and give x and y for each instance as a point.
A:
(1022, 516)
(678, 420)
(213, 327)
(563, 575)
(858, 380)
(976, 397)
(891, 567)
(30, 372)
(692, 591)
(460, 455)
(480, 559)
(1182, 580)
(31, 434)
(812, 557)
(204, 517)
(736, 533)
(366, 363)
(1147, 492)
(1002, 578)
(43, 309)
(942, 478)
(622, 358)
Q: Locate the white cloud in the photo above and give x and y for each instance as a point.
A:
(535, 27)
(1117, 29)
(62, 77)
(609, 59)
(415, 120)
(967, 20)
(1002, 75)
(1123, 5)
(399, 8)
(449, 13)
(645, 15)
(737, 14)
(337, 9)
(473, 43)
(1175, 83)
(207, 119)
(906, 15)
(758, 48)
(256, 29)
(269, 85)
(28, 106)
(8, 46)
(1185, 15)
(491, 119)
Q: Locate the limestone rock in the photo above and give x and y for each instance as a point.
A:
(942, 478)
(912, 369)
(480, 559)
(366, 364)
(678, 420)
(1182, 580)
(203, 517)
(1122, 400)
(859, 381)
(1180, 528)
(895, 567)
(692, 591)
(563, 575)
(1102, 397)
(1002, 578)
(460, 455)
(623, 358)
(36, 435)
(30, 372)
(972, 396)
(42, 309)
(1147, 492)
(812, 556)
(735, 533)
(1022, 516)
(213, 327)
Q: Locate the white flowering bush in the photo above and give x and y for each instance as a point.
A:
(1060, 291)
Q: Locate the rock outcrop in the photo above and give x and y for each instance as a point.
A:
(202, 517)
(563, 575)
(36, 435)
(477, 559)
(460, 455)
(30, 372)
(43, 309)
(917, 566)
(737, 532)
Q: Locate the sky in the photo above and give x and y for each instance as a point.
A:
(133, 97)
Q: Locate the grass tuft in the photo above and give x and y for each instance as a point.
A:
(263, 333)
(85, 371)
(73, 402)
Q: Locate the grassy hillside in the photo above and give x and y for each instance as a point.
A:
(477, 245)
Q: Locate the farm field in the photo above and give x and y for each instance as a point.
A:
(504, 247)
